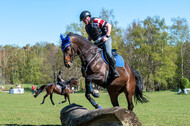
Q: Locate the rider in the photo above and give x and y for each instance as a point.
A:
(97, 28)
(61, 82)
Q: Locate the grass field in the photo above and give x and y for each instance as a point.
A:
(164, 109)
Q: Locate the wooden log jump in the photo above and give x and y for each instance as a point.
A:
(77, 115)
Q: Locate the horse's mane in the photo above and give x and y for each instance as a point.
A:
(79, 37)
(69, 81)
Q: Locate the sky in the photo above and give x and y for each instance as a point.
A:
(30, 21)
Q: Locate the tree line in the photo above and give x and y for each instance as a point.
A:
(158, 51)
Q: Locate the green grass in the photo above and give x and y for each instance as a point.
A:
(164, 109)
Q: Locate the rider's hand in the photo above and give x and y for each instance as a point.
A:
(105, 39)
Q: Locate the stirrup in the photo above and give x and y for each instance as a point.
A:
(115, 73)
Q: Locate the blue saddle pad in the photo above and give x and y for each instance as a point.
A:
(119, 60)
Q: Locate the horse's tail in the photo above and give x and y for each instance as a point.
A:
(39, 90)
(139, 89)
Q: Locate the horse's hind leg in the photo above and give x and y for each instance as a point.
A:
(44, 98)
(130, 101)
(113, 97)
(68, 99)
(129, 91)
(51, 98)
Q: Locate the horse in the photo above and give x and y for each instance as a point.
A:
(95, 69)
(51, 88)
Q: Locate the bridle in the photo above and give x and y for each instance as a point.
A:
(72, 56)
(92, 54)
(88, 60)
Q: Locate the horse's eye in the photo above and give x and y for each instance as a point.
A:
(67, 49)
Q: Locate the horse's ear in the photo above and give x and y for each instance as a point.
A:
(67, 37)
(61, 36)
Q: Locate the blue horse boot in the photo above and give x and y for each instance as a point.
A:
(99, 107)
(95, 94)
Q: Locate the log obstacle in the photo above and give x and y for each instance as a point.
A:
(77, 115)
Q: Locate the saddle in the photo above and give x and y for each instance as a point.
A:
(119, 63)
(118, 58)
(61, 88)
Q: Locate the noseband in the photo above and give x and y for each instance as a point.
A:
(81, 54)
(71, 55)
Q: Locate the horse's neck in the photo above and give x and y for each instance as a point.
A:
(83, 46)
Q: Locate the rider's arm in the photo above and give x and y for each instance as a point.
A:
(60, 78)
(108, 26)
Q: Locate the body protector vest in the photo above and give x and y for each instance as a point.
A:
(94, 31)
(59, 77)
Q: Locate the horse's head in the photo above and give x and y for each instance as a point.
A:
(36, 92)
(76, 82)
(68, 50)
(73, 81)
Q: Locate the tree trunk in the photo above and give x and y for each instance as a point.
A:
(76, 115)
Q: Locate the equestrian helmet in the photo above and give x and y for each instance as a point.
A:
(60, 72)
(84, 14)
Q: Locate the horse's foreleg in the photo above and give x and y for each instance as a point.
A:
(94, 78)
(44, 98)
(63, 101)
(87, 95)
(51, 98)
(92, 101)
(97, 77)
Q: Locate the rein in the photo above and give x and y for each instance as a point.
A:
(91, 54)
(86, 59)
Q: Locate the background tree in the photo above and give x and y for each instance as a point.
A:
(149, 52)
(180, 35)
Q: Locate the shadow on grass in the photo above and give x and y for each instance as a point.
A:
(83, 91)
(173, 90)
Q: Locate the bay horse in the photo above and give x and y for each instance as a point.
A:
(52, 88)
(94, 69)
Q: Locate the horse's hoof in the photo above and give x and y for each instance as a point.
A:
(59, 102)
(99, 107)
(96, 95)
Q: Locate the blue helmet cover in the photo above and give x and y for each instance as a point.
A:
(65, 42)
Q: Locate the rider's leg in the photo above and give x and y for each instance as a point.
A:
(112, 63)
(63, 87)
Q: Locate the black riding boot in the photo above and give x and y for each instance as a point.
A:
(113, 67)
(63, 88)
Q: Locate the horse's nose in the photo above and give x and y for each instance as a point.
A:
(70, 64)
